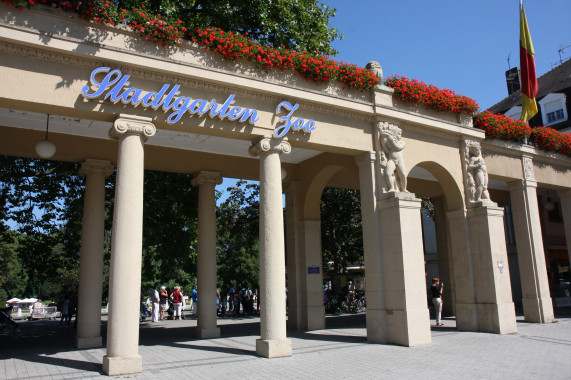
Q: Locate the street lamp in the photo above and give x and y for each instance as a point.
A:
(46, 148)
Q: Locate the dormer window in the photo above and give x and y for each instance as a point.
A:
(553, 109)
(514, 112)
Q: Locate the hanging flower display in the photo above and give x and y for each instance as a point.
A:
(502, 127)
(414, 91)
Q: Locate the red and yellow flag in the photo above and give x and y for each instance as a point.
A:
(527, 67)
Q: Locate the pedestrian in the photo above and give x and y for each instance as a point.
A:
(155, 299)
(64, 311)
(176, 298)
(194, 296)
(436, 289)
(163, 302)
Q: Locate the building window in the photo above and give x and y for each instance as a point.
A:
(554, 116)
(553, 109)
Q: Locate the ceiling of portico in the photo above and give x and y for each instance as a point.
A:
(94, 129)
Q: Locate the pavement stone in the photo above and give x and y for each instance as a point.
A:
(44, 350)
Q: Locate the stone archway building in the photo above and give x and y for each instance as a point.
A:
(52, 64)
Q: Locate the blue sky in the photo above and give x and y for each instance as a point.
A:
(460, 45)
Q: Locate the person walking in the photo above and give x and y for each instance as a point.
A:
(194, 309)
(155, 299)
(176, 298)
(436, 289)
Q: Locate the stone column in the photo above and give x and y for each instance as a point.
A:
(206, 255)
(537, 304)
(376, 317)
(496, 312)
(407, 316)
(565, 198)
(463, 272)
(126, 247)
(273, 342)
(313, 311)
(91, 258)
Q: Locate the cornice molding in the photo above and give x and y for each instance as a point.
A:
(518, 150)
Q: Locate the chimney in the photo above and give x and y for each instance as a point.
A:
(512, 80)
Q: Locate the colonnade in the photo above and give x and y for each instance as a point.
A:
(393, 252)
(126, 250)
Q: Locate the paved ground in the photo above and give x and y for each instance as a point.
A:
(43, 350)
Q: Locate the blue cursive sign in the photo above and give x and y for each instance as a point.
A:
(114, 87)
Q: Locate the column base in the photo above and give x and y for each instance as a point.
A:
(275, 348)
(82, 343)
(538, 310)
(408, 327)
(202, 333)
(375, 326)
(497, 318)
(466, 317)
(122, 366)
(315, 318)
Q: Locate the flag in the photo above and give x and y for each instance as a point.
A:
(527, 67)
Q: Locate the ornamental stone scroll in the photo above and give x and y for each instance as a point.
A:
(389, 146)
(475, 175)
(132, 125)
(268, 145)
(207, 177)
(96, 166)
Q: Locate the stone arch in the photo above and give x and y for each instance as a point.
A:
(450, 200)
(319, 177)
(451, 187)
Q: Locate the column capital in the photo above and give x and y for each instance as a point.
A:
(366, 158)
(132, 125)
(204, 177)
(267, 145)
(521, 184)
(95, 166)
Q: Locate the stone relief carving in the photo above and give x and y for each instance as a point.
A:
(390, 159)
(528, 168)
(376, 68)
(475, 176)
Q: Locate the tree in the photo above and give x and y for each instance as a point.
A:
(238, 230)
(170, 230)
(296, 24)
(341, 231)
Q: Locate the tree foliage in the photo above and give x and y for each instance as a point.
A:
(341, 231)
(296, 24)
(238, 231)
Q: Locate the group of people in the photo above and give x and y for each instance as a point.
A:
(237, 297)
(235, 302)
(163, 300)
